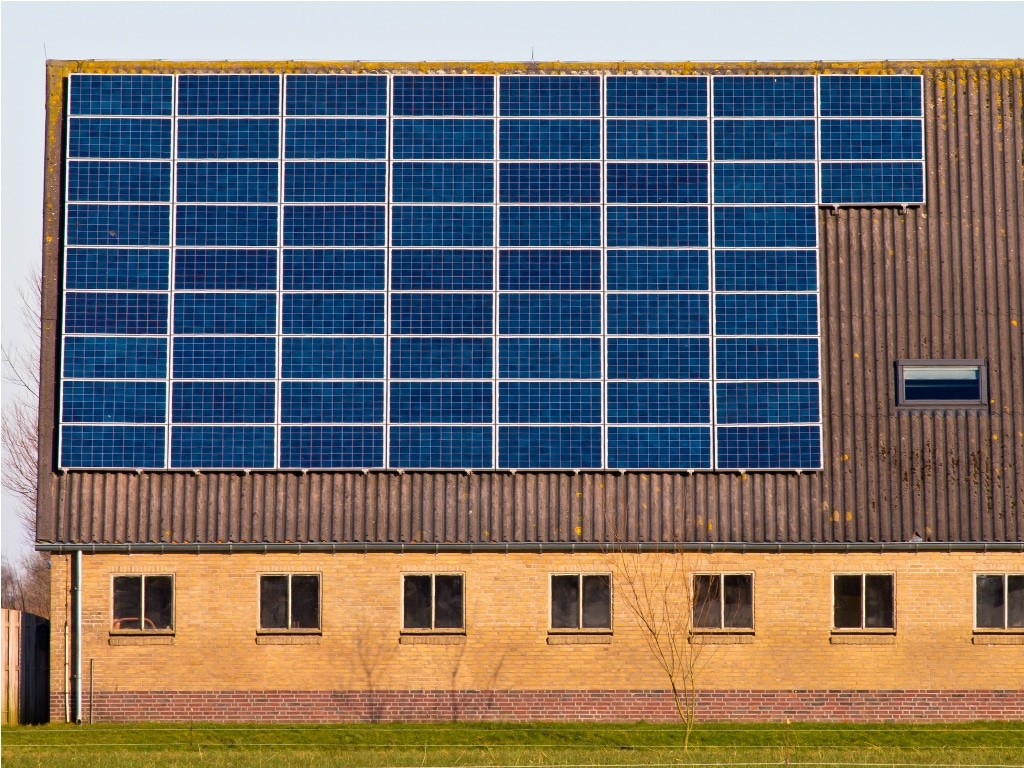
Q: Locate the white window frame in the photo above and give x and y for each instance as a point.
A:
(142, 604)
(1006, 604)
(863, 604)
(721, 628)
(580, 629)
(289, 630)
(433, 629)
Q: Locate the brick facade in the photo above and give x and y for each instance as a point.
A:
(933, 667)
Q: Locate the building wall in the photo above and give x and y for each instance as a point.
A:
(933, 667)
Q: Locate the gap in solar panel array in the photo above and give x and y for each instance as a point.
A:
(459, 271)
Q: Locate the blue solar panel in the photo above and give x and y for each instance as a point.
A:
(237, 139)
(332, 357)
(552, 358)
(332, 402)
(658, 270)
(550, 270)
(114, 447)
(123, 402)
(117, 137)
(229, 94)
(222, 402)
(771, 96)
(546, 95)
(332, 447)
(311, 269)
(405, 271)
(443, 139)
(222, 447)
(547, 402)
(334, 139)
(110, 313)
(109, 181)
(336, 95)
(441, 402)
(225, 269)
(764, 140)
(657, 97)
(765, 183)
(113, 225)
(871, 95)
(442, 183)
(872, 183)
(659, 447)
(550, 183)
(871, 140)
(115, 357)
(334, 182)
(657, 183)
(118, 269)
(119, 94)
(227, 182)
(443, 95)
(440, 447)
(657, 139)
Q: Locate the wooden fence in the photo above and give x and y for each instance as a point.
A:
(26, 668)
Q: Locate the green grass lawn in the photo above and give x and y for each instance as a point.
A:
(485, 744)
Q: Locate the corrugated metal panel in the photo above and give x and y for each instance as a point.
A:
(941, 281)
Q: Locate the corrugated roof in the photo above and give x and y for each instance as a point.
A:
(941, 281)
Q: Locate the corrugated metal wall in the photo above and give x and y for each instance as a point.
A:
(941, 281)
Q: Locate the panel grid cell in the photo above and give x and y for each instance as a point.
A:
(460, 271)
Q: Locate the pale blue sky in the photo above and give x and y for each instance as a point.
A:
(472, 31)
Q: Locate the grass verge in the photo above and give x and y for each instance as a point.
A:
(507, 744)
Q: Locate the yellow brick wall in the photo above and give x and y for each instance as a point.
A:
(216, 613)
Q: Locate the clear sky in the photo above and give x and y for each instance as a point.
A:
(433, 31)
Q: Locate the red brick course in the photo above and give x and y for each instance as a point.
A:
(597, 706)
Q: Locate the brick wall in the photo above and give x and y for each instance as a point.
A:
(934, 667)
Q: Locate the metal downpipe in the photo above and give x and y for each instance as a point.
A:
(76, 635)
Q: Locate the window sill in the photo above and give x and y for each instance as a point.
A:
(293, 638)
(140, 639)
(580, 638)
(741, 637)
(1004, 637)
(433, 639)
(864, 637)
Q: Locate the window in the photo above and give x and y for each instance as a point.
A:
(433, 602)
(290, 602)
(581, 601)
(723, 601)
(941, 383)
(143, 603)
(863, 601)
(999, 601)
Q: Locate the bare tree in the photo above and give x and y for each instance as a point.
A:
(26, 581)
(657, 590)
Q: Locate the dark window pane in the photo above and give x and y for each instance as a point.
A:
(1014, 602)
(274, 602)
(597, 602)
(565, 602)
(990, 606)
(878, 602)
(159, 602)
(448, 602)
(707, 602)
(847, 599)
(945, 382)
(305, 602)
(417, 602)
(127, 602)
(739, 601)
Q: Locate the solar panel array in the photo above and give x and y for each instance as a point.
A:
(460, 271)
